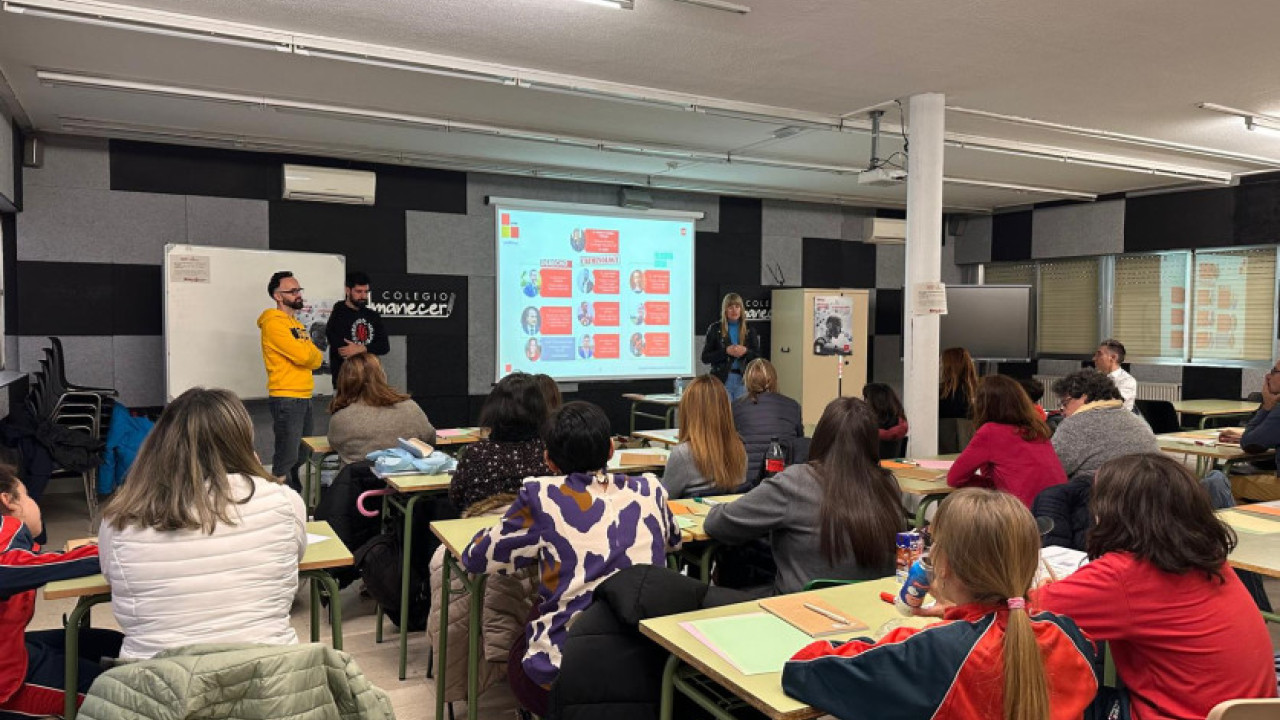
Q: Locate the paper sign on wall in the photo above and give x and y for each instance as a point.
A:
(930, 298)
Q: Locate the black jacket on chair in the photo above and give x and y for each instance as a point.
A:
(713, 350)
(757, 421)
(1068, 506)
(608, 669)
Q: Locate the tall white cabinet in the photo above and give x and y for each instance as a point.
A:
(815, 380)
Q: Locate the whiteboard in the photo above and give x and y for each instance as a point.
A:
(212, 299)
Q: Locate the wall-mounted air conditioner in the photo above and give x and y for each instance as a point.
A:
(887, 231)
(320, 184)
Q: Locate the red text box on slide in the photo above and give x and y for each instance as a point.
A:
(657, 282)
(557, 282)
(608, 282)
(557, 320)
(607, 314)
(657, 345)
(657, 313)
(602, 241)
(607, 347)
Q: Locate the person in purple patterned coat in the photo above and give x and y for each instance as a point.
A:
(580, 528)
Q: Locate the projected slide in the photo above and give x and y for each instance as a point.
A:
(582, 295)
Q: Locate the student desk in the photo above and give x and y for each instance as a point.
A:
(93, 589)
(928, 485)
(321, 448)
(1205, 409)
(1257, 545)
(456, 534)
(1203, 445)
(410, 488)
(666, 436)
(669, 403)
(696, 533)
(689, 656)
(615, 461)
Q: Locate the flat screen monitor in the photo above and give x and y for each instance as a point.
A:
(992, 322)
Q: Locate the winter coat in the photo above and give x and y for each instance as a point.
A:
(605, 642)
(1067, 505)
(507, 601)
(124, 439)
(238, 682)
(770, 415)
(714, 346)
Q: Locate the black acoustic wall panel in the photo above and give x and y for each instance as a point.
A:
(1257, 213)
(741, 216)
(137, 305)
(9, 234)
(1011, 237)
(888, 318)
(1017, 369)
(722, 259)
(371, 238)
(60, 298)
(1173, 221)
(837, 263)
(437, 365)
(1210, 383)
(181, 170)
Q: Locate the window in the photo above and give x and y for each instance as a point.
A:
(1149, 304)
(1009, 274)
(1234, 304)
(1067, 300)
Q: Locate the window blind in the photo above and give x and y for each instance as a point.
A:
(1149, 304)
(1009, 274)
(1068, 307)
(1234, 304)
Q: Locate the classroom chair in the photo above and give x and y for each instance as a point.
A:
(820, 583)
(1159, 414)
(1268, 709)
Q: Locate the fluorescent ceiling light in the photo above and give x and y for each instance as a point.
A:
(1262, 122)
(615, 4)
(1252, 120)
(153, 21)
(719, 5)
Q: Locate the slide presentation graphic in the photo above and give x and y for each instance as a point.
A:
(589, 296)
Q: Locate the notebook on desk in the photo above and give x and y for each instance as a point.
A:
(753, 643)
(812, 616)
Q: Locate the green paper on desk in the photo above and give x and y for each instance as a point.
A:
(1244, 522)
(754, 643)
(685, 522)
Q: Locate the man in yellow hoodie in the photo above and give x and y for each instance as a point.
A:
(290, 356)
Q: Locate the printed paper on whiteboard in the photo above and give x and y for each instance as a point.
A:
(189, 269)
(930, 298)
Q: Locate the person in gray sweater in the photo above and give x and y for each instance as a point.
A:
(710, 459)
(1096, 427)
(836, 516)
(368, 414)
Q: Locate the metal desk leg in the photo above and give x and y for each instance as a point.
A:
(925, 502)
(406, 562)
(666, 702)
(441, 664)
(71, 647)
(476, 587)
(1270, 616)
(704, 573)
(320, 578)
(633, 417)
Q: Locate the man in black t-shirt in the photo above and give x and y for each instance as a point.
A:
(353, 328)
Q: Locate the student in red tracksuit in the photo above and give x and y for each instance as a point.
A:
(990, 658)
(1183, 630)
(32, 663)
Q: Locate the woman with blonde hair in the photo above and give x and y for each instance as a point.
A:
(957, 384)
(764, 415)
(368, 414)
(710, 458)
(730, 346)
(201, 544)
(990, 657)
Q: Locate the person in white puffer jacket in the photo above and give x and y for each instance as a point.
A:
(199, 546)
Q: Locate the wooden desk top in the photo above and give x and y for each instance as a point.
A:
(615, 462)
(668, 436)
(764, 691)
(1215, 407)
(1256, 549)
(328, 554)
(668, 399)
(318, 444)
(418, 482)
(464, 435)
(922, 481)
(698, 513)
(1184, 442)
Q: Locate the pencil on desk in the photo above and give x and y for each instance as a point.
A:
(828, 614)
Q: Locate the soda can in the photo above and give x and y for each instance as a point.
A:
(910, 547)
(916, 586)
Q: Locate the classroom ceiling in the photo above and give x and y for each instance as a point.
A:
(671, 94)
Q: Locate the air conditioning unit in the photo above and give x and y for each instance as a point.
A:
(321, 184)
(887, 231)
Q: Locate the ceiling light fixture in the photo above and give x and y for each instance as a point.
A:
(615, 4)
(718, 5)
(153, 21)
(1252, 120)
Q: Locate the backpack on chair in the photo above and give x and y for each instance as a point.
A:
(379, 562)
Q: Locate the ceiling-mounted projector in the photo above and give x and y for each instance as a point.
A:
(882, 176)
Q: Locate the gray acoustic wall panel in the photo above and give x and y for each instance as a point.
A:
(11, 359)
(1251, 381)
(708, 205)
(71, 162)
(1156, 373)
(480, 335)
(853, 223)
(784, 217)
(952, 274)
(1047, 366)
(85, 225)
(10, 157)
(89, 357)
(1076, 230)
(228, 222)
(139, 369)
(446, 244)
(886, 361)
(480, 186)
(783, 253)
(974, 246)
(395, 363)
(891, 266)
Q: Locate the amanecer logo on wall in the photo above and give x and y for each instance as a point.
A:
(420, 304)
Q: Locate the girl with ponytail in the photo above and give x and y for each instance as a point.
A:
(985, 552)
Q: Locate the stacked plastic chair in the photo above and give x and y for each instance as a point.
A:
(76, 407)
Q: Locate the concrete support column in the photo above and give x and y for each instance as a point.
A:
(923, 264)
